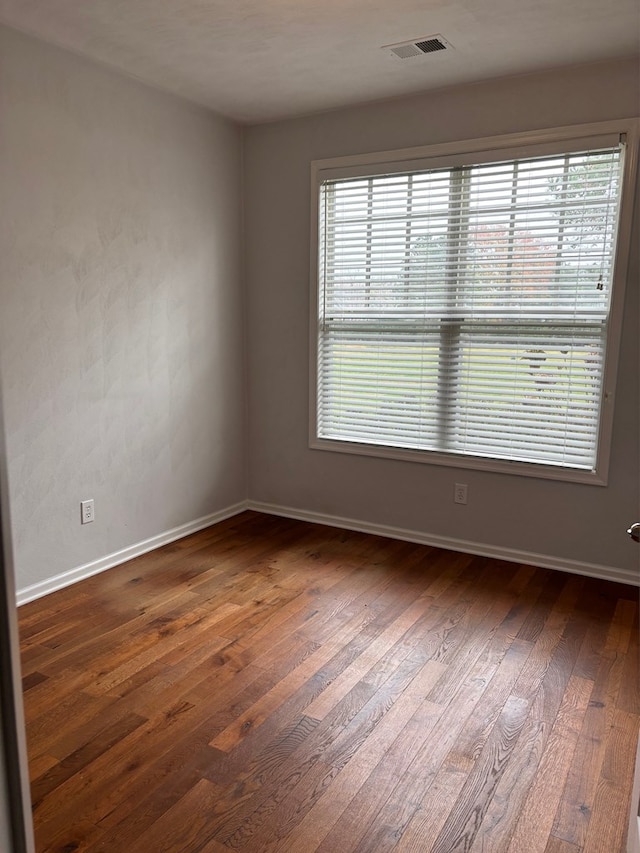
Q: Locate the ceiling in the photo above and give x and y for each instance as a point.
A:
(258, 60)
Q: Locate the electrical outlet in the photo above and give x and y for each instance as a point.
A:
(460, 493)
(86, 512)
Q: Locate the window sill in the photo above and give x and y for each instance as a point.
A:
(452, 460)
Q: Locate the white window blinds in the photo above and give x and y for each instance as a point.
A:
(464, 310)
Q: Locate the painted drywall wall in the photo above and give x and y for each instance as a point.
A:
(565, 521)
(120, 308)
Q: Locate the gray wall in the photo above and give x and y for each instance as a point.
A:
(121, 321)
(564, 521)
(121, 308)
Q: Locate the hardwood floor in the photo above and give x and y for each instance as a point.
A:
(268, 685)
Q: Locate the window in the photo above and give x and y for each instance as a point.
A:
(463, 309)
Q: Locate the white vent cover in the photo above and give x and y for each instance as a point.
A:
(418, 47)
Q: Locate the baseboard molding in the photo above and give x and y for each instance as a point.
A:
(37, 590)
(480, 549)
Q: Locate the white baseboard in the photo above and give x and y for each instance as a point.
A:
(480, 549)
(37, 590)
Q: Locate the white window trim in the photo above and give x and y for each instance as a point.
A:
(477, 150)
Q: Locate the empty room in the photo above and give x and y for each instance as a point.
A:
(319, 426)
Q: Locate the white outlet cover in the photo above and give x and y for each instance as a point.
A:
(87, 514)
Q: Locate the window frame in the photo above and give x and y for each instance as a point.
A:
(476, 151)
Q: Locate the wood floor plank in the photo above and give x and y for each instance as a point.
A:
(162, 783)
(350, 676)
(316, 666)
(72, 713)
(102, 785)
(261, 710)
(505, 806)
(429, 817)
(629, 694)
(410, 767)
(557, 845)
(32, 680)
(214, 846)
(40, 764)
(106, 642)
(459, 830)
(481, 624)
(272, 686)
(77, 761)
(267, 704)
(70, 837)
(320, 669)
(608, 825)
(470, 742)
(556, 687)
(575, 810)
(237, 815)
(324, 814)
(183, 825)
(536, 820)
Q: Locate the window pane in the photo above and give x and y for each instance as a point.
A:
(465, 309)
(380, 389)
(530, 394)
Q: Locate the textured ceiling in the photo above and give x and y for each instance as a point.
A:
(256, 60)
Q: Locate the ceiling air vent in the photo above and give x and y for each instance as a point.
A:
(418, 47)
